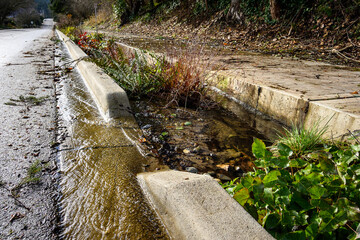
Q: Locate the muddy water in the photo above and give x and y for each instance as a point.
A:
(99, 162)
(214, 141)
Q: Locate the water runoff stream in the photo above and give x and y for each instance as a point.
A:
(98, 165)
(99, 160)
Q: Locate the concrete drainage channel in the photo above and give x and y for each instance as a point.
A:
(191, 206)
(300, 93)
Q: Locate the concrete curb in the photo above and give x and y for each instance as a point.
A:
(110, 97)
(195, 207)
(285, 107)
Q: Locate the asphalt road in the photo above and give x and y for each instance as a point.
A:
(27, 130)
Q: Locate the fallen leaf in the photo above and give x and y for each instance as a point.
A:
(186, 151)
(16, 216)
(223, 166)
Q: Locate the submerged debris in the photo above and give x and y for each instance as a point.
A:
(214, 141)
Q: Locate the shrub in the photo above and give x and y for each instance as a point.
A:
(293, 198)
(142, 74)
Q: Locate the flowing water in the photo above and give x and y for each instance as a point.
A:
(98, 164)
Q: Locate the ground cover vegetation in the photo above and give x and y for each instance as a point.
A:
(302, 191)
(319, 30)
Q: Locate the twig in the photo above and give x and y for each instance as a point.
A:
(357, 140)
(347, 32)
(15, 199)
(343, 55)
(345, 48)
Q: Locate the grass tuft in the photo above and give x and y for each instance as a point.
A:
(302, 140)
(32, 174)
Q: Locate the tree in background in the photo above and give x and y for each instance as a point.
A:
(275, 9)
(42, 6)
(235, 13)
(127, 9)
(7, 7)
(77, 9)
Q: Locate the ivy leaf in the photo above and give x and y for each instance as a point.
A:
(355, 148)
(281, 162)
(339, 219)
(247, 181)
(316, 192)
(301, 219)
(283, 196)
(258, 148)
(358, 231)
(268, 196)
(288, 218)
(271, 176)
(327, 165)
(312, 230)
(298, 235)
(301, 201)
(258, 191)
(321, 203)
(284, 150)
(242, 196)
(298, 162)
(271, 221)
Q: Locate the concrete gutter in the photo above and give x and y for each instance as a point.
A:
(109, 96)
(191, 206)
(195, 207)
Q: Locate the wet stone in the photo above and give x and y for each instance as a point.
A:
(223, 177)
(191, 170)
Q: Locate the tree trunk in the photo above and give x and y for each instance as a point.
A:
(275, 9)
(235, 13)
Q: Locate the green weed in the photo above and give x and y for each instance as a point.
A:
(33, 175)
(302, 140)
(28, 100)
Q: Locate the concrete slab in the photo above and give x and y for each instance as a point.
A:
(195, 206)
(331, 111)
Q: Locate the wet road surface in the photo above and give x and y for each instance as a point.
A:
(27, 113)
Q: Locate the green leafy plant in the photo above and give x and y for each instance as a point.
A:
(296, 198)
